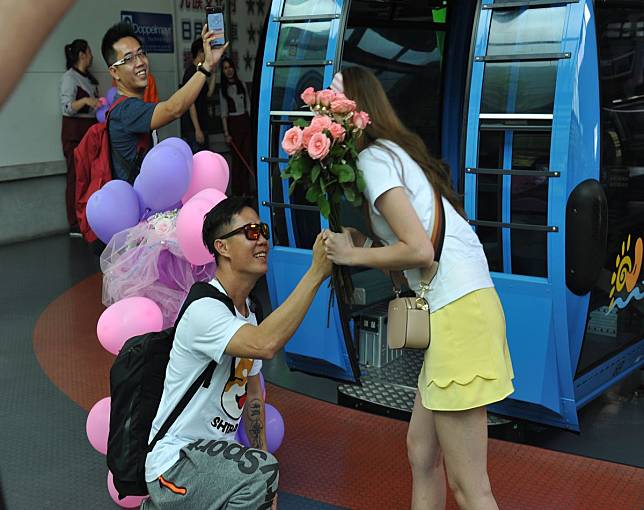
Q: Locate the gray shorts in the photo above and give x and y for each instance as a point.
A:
(211, 475)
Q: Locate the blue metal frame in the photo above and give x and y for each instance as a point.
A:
(319, 344)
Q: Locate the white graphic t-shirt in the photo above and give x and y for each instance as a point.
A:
(214, 412)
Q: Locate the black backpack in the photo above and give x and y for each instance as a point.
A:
(136, 386)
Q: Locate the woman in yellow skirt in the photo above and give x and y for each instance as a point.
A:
(467, 365)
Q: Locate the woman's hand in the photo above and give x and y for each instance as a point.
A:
(228, 139)
(200, 137)
(339, 247)
(357, 237)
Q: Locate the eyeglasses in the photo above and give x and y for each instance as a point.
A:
(251, 231)
(128, 59)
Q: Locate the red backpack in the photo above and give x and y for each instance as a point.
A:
(93, 165)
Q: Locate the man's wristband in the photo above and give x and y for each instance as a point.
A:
(203, 70)
(368, 243)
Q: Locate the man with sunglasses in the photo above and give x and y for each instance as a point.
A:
(132, 120)
(198, 464)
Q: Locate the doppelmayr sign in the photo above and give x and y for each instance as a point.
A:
(154, 30)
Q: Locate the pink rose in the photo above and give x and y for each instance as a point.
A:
(325, 97)
(337, 132)
(343, 105)
(361, 120)
(319, 146)
(292, 141)
(308, 133)
(321, 122)
(308, 96)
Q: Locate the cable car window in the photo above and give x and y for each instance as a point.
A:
(290, 82)
(489, 196)
(303, 41)
(529, 202)
(306, 224)
(309, 7)
(616, 310)
(519, 87)
(520, 32)
(403, 44)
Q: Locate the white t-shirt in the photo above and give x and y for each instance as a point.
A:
(214, 412)
(462, 266)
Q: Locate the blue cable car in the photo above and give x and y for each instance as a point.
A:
(538, 107)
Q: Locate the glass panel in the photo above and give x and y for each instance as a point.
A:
(309, 7)
(490, 238)
(290, 82)
(526, 31)
(489, 195)
(402, 44)
(616, 310)
(529, 202)
(306, 224)
(303, 41)
(519, 87)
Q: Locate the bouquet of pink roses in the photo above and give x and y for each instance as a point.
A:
(322, 152)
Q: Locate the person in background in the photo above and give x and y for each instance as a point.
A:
(235, 116)
(194, 123)
(78, 100)
(133, 120)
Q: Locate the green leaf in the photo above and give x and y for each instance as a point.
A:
(360, 182)
(313, 194)
(346, 174)
(357, 202)
(315, 172)
(291, 188)
(349, 194)
(301, 123)
(325, 208)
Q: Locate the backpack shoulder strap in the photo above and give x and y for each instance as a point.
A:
(198, 290)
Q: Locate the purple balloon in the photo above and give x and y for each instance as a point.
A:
(182, 146)
(163, 179)
(274, 429)
(101, 113)
(145, 212)
(111, 95)
(111, 209)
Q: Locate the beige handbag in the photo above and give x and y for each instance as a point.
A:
(408, 324)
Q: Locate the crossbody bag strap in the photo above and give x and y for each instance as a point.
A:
(437, 239)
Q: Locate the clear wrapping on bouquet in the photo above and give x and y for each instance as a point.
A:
(146, 260)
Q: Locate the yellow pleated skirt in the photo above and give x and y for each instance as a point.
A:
(468, 363)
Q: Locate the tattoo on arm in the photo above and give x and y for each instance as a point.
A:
(255, 424)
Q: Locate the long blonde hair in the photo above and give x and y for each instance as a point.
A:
(362, 86)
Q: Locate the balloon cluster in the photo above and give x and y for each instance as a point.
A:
(104, 104)
(171, 178)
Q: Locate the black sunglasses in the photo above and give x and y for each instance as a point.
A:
(251, 231)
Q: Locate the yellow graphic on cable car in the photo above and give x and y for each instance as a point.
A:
(627, 274)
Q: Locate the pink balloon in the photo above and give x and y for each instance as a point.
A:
(209, 170)
(98, 424)
(127, 501)
(127, 318)
(190, 225)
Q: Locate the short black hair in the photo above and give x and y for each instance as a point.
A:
(114, 34)
(197, 46)
(218, 220)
